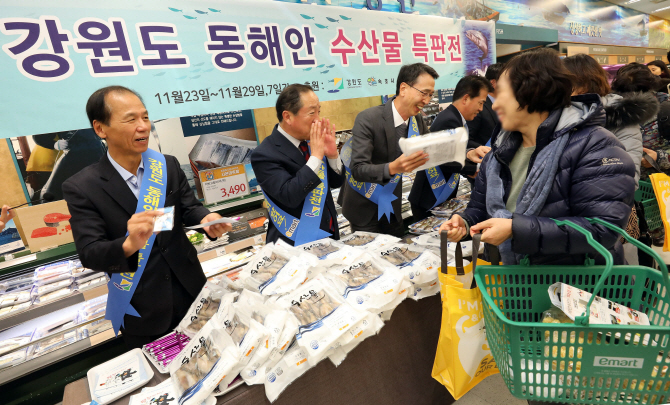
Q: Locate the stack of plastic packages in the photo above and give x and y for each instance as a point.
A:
(15, 294)
(85, 279)
(93, 310)
(291, 308)
(8, 357)
(52, 281)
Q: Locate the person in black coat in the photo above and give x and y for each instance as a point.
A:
(469, 97)
(481, 127)
(376, 156)
(107, 232)
(287, 173)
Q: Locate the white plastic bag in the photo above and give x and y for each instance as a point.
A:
(274, 319)
(442, 147)
(205, 306)
(290, 368)
(276, 270)
(419, 265)
(367, 283)
(368, 326)
(368, 240)
(208, 358)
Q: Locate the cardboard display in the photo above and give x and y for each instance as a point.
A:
(44, 226)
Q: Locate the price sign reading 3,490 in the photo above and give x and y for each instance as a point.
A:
(224, 183)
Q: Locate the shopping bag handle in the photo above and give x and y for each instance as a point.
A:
(646, 249)
(583, 319)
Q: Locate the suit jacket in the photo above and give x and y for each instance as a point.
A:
(422, 195)
(284, 176)
(101, 204)
(481, 128)
(374, 145)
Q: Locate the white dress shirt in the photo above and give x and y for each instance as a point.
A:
(313, 162)
(397, 119)
(132, 180)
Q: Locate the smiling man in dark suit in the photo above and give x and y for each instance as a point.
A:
(293, 172)
(481, 127)
(376, 157)
(108, 234)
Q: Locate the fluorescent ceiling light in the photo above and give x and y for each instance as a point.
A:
(661, 9)
(631, 1)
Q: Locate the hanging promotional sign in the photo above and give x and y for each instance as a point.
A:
(202, 57)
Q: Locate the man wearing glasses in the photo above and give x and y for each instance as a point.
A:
(376, 159)
(469, 97)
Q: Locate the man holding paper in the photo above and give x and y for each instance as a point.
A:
(469, 97)
(296, 175)
(371, 199)
(154, 276)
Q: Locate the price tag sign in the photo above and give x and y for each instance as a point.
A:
(224, 183)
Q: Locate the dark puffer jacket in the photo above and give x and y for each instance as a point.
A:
(595, 178)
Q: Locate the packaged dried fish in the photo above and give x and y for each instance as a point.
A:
(205, 306)
(419, 266)
(53, 272)
(288, 369)
(368, 240)
(43, 289)
(317, 300)
(369, 283)
(207, 359)
(277, 269)
(54, 295)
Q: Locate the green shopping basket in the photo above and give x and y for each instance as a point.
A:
(652, 213)
(579, 363)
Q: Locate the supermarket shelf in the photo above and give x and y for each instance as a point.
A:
(38, 310)
(232, 247)
(236, 202)
(36, 258)
(12, 373)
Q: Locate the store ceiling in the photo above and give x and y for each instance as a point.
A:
(658, 8)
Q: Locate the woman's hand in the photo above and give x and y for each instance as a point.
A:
(455, 228)
(494, 231)
(651, 154)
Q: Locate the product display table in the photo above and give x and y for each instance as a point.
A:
(392, 368)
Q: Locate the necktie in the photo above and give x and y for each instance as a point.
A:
(304, 149)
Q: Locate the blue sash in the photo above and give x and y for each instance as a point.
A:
(381, 195)
(488, 143)
(152, 197)
(442, 189)
(308, 228)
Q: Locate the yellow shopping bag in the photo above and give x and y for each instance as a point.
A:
(463, 357)
(661, 184)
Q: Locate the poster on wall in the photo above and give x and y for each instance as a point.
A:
(210, 141)
(204, 57)
(586, 21)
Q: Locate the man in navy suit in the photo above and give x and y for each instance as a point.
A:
(286, 165)
(469, 97)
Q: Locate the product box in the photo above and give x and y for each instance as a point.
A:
(44, 226)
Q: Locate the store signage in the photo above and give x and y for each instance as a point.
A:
(220, 122)
(639, 59)
(622, 59)
(224, 183)
(599, 50)
(196, 58)
(577, 28)
(602, 59)
(658, 58)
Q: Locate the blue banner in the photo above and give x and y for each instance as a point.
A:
(442, 188)
(308, 228)
(381, 195)
(152, 197)
(201, 57)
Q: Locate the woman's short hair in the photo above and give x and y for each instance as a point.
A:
(635, 77)
(589, 76)
(540, 81)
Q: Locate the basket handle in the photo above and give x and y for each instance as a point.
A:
(637, 244)
(584, 318)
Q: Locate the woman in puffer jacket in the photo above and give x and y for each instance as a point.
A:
(625, 113)
(551, 159)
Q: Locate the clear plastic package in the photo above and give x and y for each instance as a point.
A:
(14, 298)
(91, 282)
(55, 342)
(13, 358)
(17, 283)
(39, 290)
(54, 295)
(53, 272)
(8, 345)
(94, 328)
(368, 240)
(204, 308)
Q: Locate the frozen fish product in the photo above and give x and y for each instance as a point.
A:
(53, 272)
(368, 240)
(290, 368)
(14, 298)
(208, 358)
(277, 270)
(420, 267)
(442, 147)
(425, 290)
(53, 295)
(368, 283)
(323, 315)
(205, 306)
(8, 345)
(55, 342)
(47, 288)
